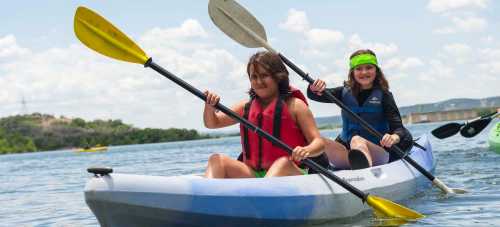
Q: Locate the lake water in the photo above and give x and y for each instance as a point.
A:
(46, 189)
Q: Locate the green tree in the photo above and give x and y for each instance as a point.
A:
(78, 122)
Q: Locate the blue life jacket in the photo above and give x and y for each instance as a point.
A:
(371, 111)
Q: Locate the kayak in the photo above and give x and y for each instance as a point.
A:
(192, 200)
(494, 137)
(93, 149)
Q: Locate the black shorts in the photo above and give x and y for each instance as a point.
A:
(405, 145)
(339, 140)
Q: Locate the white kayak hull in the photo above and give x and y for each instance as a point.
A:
(137, 200)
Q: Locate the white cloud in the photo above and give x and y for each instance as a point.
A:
(317, 41)
(439, 6)
(10, 49)
(381, 49)
(461, 14)
(490, 53)
(488, 39)
(77, 82)
(444, 31)
(397, 63)
(458, 49)
(488, 61)
(190, 28)
(464, 24)
(323, 37)
(490, 68)
(439, 71)
(470, 24)
(296, 21)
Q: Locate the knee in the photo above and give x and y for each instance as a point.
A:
(357, 141)
(216, 159)
(280, 162)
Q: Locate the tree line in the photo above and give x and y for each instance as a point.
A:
(43, 132)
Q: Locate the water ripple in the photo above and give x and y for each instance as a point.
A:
(45, 189)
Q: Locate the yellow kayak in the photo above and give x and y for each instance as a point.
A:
(93, 149)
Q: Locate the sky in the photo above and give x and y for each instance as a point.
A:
(430, 51)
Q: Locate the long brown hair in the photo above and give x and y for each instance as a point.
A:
(379, 81)
(274, 66)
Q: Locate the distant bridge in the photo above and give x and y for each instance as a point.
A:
(450, 115)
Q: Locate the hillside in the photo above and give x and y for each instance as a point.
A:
(329, 121)
(41, 132)
(450, 104)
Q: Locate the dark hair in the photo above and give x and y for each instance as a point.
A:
(273, 65)
(379, 81)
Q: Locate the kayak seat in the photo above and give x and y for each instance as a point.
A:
(100, 171)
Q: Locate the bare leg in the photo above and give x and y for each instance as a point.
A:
(375, 154)
(378, 154)
(359, 143)
(337, 153)
(222, 166)
(283, 167)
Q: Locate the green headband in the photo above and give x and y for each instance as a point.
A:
(363, 59)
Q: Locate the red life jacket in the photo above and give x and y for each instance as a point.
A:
(275, 119)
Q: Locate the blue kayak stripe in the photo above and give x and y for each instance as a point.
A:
(261, 202)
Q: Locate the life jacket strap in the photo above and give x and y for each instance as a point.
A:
(246, 144)
(277, 118)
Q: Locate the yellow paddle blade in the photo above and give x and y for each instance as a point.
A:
(100, 35)
(386, 209)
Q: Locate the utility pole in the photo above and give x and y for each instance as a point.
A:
(24, 105)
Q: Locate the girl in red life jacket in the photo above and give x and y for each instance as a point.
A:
(276, 108)
(367, 94)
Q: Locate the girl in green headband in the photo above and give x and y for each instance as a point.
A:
(366, 92)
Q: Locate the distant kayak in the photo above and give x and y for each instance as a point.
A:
(192, 200)
(494, 138)
(93, 149)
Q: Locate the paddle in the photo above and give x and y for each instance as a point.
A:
(236, 22)
(100, 35)
(467, 129)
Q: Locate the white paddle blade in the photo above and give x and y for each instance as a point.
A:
(236, 22)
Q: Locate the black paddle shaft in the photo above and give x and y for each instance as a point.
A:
(367, 126)
(488, 115)
(308, 162)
